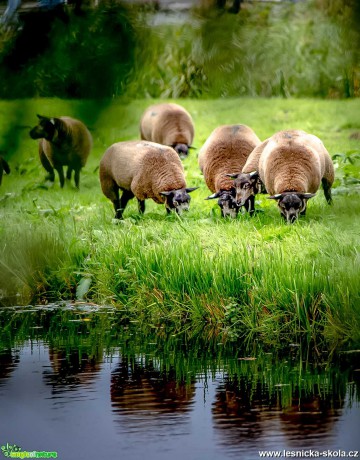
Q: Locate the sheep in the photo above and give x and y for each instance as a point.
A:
(144, 170)
(291, 165)
(221, 158)
(4, 166)
(63, 141)
(168, 124)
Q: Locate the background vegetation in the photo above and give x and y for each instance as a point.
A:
(301, 49)
(244, 278)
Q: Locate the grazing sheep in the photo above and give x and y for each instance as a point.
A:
(4, 166)
(63, 141)
(144, 170)
(291, 165)
(168, 124)
(222, 157)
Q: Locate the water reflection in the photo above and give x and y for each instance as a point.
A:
(301, 413)
(151, 390)
(71, 368)
(8, 362)
(79, 375)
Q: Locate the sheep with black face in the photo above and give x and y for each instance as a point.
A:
(63, 142)
(168, 124)
(144, 170)
(291, 165)
(221, 160)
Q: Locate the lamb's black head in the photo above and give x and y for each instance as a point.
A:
(178, 200)
(245, 185)
(291, 204)
(45, 129)
(226, 201)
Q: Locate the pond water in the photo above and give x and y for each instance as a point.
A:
(79, 381)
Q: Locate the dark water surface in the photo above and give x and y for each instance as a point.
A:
(78, 381)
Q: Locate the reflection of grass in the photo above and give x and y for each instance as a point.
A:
(249, 276)
(277, 379)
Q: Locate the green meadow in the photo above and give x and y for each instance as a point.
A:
(245, 278)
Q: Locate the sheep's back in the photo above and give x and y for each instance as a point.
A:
(167, 124)
(160, 169)
(74, 148)
(120, 163)
(224, 152)
(290, 164)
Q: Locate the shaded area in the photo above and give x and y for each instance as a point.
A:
(62, 53)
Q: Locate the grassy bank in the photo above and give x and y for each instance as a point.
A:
(240, 278)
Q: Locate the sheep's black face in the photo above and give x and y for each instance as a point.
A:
(292, 204)
(227, 202)
(45, 129)
(245, 186)
(178, 200)
(182, 150)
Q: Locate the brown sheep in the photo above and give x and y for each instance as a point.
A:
(221, 158)
(63, 141)
(144, 170)
(291, 165)
(168, 124)
(4, 166)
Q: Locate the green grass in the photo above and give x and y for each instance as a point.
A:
(242, 278)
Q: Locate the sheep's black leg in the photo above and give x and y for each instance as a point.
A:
(60, 171)
(141, 206)
(77, 178)
(47, 165)
(250, 205)
(120, 205)
(327, 190)
(68, 173)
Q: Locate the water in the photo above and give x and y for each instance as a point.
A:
(83, 383)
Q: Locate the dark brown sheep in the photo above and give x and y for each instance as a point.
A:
(63, 141)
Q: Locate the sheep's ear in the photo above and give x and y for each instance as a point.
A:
(192, 147)
(213, 196)
(307, 196)
(52, 121)
(41, 117)
(233, 175)
(166, 193)
(191, 189)
(254, 175)
(275, 197)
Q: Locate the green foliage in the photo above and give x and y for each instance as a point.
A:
(64, 54)
(302, 49)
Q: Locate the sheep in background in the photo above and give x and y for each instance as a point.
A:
(4, 166)
(221, 158)
(291, 165)
(144, 170)
(63, 141)
(168, 124)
